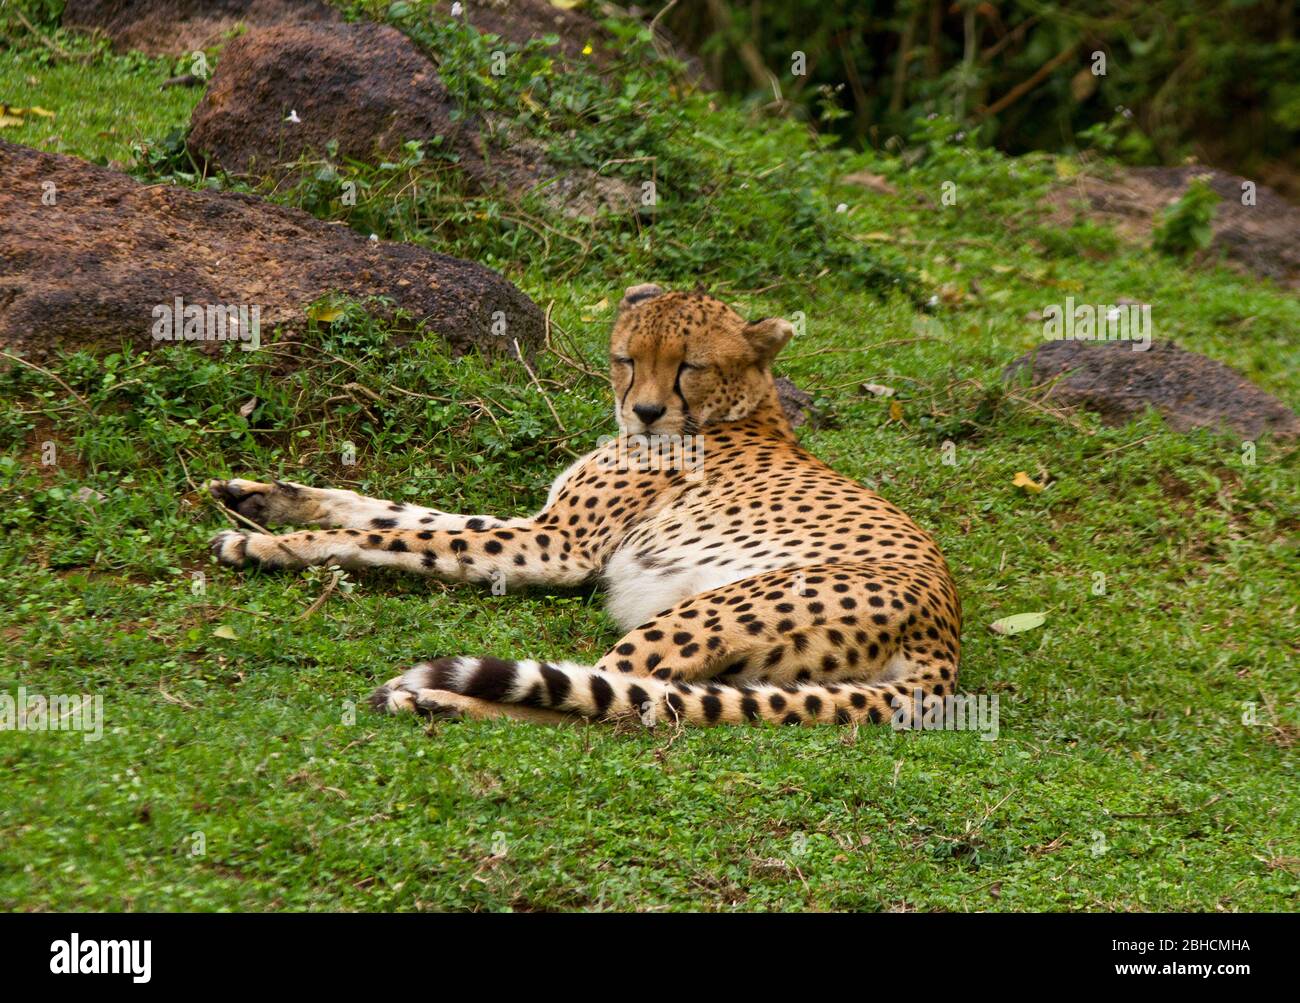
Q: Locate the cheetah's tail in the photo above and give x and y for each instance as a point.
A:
(592, 693)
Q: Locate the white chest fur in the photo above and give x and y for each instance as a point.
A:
(639, 587)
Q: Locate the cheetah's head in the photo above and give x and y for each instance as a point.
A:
(682, 360)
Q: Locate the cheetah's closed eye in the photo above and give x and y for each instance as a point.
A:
(755, 583)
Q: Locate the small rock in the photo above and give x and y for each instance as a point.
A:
(797, 404)
(364, 86)
(1190, 390)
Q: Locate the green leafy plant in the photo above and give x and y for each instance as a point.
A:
(1186, 226)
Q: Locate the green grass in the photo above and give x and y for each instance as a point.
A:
(100, 112)
(1123, 776)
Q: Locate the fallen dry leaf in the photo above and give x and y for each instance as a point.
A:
(865, 179)
(1023, 480)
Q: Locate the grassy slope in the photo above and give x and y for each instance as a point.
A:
(1123, 777)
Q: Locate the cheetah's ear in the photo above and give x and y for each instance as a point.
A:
(768, 336)
(639, 294)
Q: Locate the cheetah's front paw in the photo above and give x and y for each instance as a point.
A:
(238, 549)
(276, 503)
(231, 548)
(404, 696)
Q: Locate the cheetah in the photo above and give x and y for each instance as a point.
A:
(754, 582)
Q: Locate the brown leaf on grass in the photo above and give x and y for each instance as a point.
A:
(874, 182)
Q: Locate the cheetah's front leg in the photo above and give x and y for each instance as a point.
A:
(517, 554)
(283, 503)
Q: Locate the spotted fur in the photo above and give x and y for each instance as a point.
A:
(754, 582)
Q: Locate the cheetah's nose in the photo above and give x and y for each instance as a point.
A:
(649, 413)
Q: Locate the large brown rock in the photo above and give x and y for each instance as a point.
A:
(91, 268)
(175, 27)
(1190, 390)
